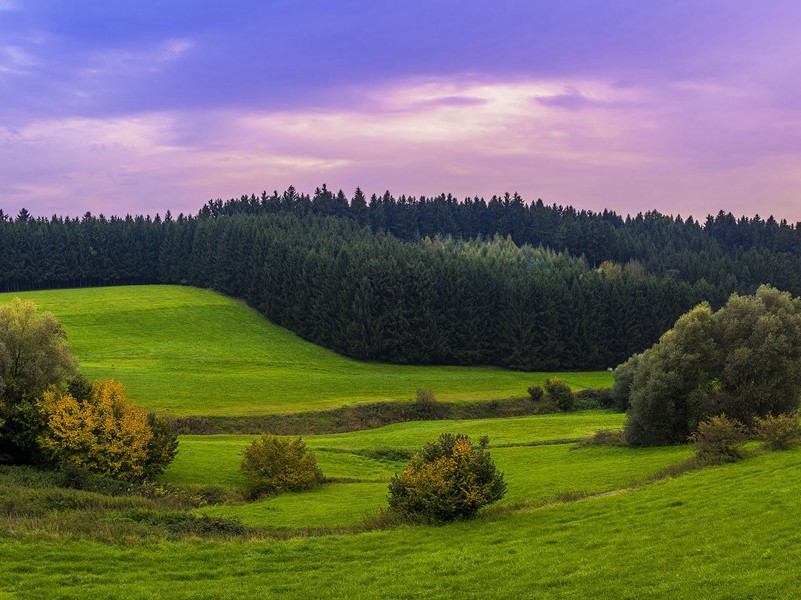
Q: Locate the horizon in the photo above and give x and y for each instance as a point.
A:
(699, 219)
(137, 108)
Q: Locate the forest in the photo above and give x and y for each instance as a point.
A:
(424, 280)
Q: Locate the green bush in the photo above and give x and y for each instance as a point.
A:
(535, 392)
(605, 437)
(274, 465)
(719, 439)
(162, 448)
(560, 394)
(593, 398)
(623, 378)
(450, 479)
(778, 432)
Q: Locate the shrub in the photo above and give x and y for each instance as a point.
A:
(103, 433)
(778, 432)
(427, 406)
(560, 394)
(605, 437)
(719, 439)
(535, 392)
(449, 480)
(162, 448)
(274, 465)
(623, 378)
(594, 398)
(743, 361)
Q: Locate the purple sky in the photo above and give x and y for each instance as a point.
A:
(685, 106)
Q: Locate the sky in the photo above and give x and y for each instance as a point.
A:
(683, 106)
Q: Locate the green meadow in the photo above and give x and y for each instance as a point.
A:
(577, 521)
(538, 463)
(187, 351)
(721, 532)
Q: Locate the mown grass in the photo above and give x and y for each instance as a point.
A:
(536, 469)
(732, 531)
(186, 351)
(215, 459)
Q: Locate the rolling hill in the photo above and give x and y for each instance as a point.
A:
(186, 351)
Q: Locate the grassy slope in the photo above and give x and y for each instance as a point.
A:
(185, 351)
(723, 532)
(215, 459)
(533, 473)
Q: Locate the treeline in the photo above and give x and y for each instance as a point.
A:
(737, 253)
(474, 282)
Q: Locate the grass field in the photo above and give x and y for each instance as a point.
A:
(534, 473)
(721, 532)
(186, 351)
(214, 459)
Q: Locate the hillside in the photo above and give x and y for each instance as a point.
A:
(185, 351)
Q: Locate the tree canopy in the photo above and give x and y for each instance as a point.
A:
(743, 361)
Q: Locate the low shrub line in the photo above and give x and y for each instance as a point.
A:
(375, 414)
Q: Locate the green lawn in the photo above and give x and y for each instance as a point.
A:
(215, 459)
(533, 473)
(186, 351)
(723, 532)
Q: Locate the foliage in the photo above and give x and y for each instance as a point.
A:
(104, 433)
(450, 479)
(389, 296)
(719, 439)
(779, 432)
(593, 398)
(33, 355)
(162, 448)
(743, 361)
(274, 465)
(560, 394)
(535, 393)
(623, 378)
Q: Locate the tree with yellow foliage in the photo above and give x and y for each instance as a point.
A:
(103, 433)
(450, 479)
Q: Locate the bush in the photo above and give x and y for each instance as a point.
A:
(594, 398)
(535, 392)
(778, 432)
(449, 480)
(560, 394)
(623, 379)
(605, 437)
(274, 465)
(427, 406)
(162, 448)
(719, 440)
(743, 361)
(103, 433)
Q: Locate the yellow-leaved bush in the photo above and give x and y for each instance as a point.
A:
(103, 432)
(450, 479)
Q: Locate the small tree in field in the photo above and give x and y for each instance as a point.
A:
(104, 433)
(33, 355)
(449, 480)
(274, 465)
(560, 394)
